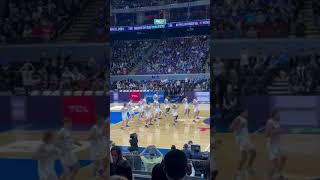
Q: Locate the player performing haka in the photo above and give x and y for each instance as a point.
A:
(248, 151)
(68, 158)
(125, 116)
(155, 97)
(156, 106)
(195, 103)
(97, 139)
(46, 154)
(141, 109)
(148, 115)
(175, 113)
(186, 107)
(166, 106)
(131, 112)
(276, 154)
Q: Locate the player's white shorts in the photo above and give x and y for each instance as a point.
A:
(186, 107)
(131, 113)
(196, 109)
(141, 109)
(157, 110)
(174, 114)
(245, 144)
(45, 174)
(275, 151)
(125, 116)
(148, 115)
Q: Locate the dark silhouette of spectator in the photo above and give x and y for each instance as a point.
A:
(173, 166)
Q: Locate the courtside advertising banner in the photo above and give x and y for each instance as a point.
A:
(134, 96)
(203, 96)
(81, 110)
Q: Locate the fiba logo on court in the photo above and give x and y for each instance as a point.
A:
(78, 108)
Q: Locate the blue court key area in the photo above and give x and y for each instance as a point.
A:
(17, 169)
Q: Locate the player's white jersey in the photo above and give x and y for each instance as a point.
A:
(141, 106)
(243, 133)
(47, 153)
(242, 136)
(148, 111)
(166, 103)
(125, 111)
(185, 103)
(275, 138)
(174, 110)
(156, 107)
(155, 97)
(130, 107)
(195, 105)
(67, 142)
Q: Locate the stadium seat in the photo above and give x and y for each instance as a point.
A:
(78, 93)
(88, 93)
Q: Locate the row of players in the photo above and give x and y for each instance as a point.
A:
(60, 146)
(144, 109)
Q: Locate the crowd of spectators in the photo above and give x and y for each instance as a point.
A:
(252, 75)
(33, 21)
(256, 18)
(178, 163)
(316, 11)
(123, 4)
(126, 55)
(99, 31)
(178, 56)
(170, 87)
(52, 74)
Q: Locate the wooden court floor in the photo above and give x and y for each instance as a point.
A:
(165, 135)
(8, 137)
(303, 152)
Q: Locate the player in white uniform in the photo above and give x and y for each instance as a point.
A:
(195, 103)
(141, 104)
(175, 114)
(148, 115)
(46, 154)
(156, 106)
(166, 106)
(276, 155)
(155, 97)
(248, 151)
(68, 158)
(97, 139)
(125, 116)
(186, 107)
(131, 112)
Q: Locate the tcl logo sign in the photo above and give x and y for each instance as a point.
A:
(78, 108)
(135, 96)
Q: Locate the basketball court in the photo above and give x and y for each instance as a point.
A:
(165, 135)
(18, 146)
(302, 151)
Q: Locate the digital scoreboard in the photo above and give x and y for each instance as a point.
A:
(160, 21)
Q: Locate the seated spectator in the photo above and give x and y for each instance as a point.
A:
(150, 157)
(187, 151)
(173, 166)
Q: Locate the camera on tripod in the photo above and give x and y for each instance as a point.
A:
(133, 142)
